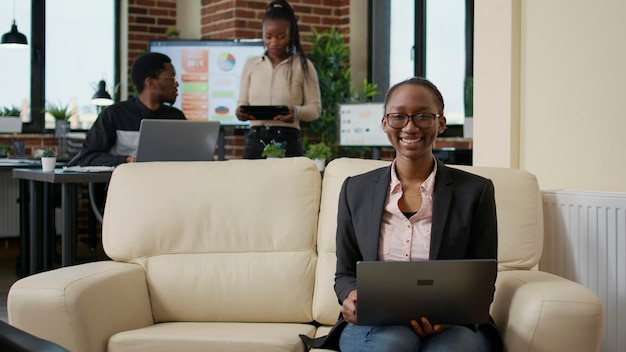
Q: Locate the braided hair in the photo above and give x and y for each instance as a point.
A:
(418, 81)
(281, 10)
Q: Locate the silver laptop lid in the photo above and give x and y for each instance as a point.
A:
(177, 140)
(444, 291)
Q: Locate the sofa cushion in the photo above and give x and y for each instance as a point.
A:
(223, 337)
(325, 305)
(206, 246)
(520, 216)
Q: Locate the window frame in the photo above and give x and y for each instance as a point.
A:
(379, 31)
(38, 63)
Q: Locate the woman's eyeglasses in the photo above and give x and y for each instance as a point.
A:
(399, 120)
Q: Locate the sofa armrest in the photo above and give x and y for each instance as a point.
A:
(539, 311)
(80, 307)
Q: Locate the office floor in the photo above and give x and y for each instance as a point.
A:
(8, 259)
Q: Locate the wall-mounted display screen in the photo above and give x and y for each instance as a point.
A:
(360, 125)
(209, 74)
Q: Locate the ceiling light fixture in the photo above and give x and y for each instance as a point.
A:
(14, 38)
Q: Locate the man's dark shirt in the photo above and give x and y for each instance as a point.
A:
(123, 116)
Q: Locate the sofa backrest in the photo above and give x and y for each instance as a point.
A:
(219, 241)
(518, 206)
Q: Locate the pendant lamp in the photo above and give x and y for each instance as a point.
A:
(13, 38)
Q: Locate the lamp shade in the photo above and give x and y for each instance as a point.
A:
(101, 97)
(14, 38)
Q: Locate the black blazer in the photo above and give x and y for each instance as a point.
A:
(464, 226)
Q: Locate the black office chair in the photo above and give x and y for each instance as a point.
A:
(13, 339)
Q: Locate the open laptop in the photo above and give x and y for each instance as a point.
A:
(177, 140)
(444, 291)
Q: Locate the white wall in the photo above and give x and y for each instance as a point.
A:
(554, 78)
(358, 42)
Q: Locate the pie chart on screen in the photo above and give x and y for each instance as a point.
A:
(226, 61)
(221, 110)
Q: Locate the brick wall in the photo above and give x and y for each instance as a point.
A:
(230, 19)
(32, 142)
(148, 19)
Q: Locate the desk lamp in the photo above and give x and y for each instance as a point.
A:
(101, 98)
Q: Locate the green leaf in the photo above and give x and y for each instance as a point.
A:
(331, 56)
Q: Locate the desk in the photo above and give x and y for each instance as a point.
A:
(35, 185)
(13, 220)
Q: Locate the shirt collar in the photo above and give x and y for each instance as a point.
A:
(428, 185)
(264, 57)
(144, 110)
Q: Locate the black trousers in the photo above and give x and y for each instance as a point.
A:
(257, 137)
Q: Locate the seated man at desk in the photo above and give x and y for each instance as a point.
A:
(112, 140)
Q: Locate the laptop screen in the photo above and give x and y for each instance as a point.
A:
(177, 140)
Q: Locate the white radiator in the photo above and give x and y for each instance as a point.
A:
(9, 208)
(585, 241)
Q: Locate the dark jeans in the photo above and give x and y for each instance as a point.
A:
(257, 137)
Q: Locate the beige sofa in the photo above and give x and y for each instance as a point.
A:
(239, 256)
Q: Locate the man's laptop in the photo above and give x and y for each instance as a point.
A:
(177, 140)
(444, 291)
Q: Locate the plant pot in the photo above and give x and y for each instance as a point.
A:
(320, 163)
(468, 127)
(61, 128)
(9, 124)
(48, 163)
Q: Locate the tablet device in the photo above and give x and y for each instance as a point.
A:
(177, 140)
(444, 291)
(265, 112)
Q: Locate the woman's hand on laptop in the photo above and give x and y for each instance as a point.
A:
(348, 308)
(426, 328)
(130, 159)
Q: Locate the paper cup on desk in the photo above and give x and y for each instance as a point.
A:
(47, 164)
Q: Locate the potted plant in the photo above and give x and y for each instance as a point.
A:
(10, 120)
(319, 152)
(172, 32)
(331, 56)
(4, 150)
(274, 150)
(61, 114)
(48, 160)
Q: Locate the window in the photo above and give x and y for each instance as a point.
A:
(15, 62)
(80, 50)
(79, 53)
(445, 53)
(425, 38)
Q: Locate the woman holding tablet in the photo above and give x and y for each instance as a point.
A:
(283, 76)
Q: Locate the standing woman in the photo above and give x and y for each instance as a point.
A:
(281, 76)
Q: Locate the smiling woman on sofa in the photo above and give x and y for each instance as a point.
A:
(419, 193)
